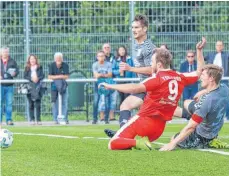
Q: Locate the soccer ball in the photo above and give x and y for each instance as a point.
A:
(6, 138)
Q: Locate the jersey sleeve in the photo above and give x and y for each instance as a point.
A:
(189, 78)
(147, 54)
(202, 109)
(197, 118)
(151, 83)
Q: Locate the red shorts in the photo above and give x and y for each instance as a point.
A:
(152, 127)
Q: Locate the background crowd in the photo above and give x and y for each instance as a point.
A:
(105, 67)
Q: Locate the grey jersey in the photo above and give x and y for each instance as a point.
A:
(142, 55)
(102, 68)
(212, 108)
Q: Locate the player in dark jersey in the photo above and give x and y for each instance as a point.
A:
(207, 114)
(142, 66)
(163, 93)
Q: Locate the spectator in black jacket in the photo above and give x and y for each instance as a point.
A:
(8, 70)
(34, 73)
(59, 70)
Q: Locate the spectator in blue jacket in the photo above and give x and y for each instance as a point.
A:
(122, 56)
(188, 66)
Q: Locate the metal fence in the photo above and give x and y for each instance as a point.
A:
(78, 30)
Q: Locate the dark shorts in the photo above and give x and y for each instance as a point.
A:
(191, 107)
(194, 141)
(140, 95)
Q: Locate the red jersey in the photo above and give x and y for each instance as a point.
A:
(163, 93)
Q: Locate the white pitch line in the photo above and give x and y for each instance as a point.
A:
(48, 135)
(101, 138)
(88, 137)
(158, 143)
(202, 150)
(214, 151)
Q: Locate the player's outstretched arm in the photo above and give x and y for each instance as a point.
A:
(187, 130)
(200, 59)
(140, 70)
(125, 88)
(200, 56)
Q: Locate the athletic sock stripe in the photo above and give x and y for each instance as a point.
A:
(132, 120)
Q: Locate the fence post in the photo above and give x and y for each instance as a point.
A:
(60, 116)
(27, 47)
(132, 14)
(1, 22)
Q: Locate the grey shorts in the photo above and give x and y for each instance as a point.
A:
(194, 141)
(140, 95)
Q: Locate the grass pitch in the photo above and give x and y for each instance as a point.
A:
(55, 156)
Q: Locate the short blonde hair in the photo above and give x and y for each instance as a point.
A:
(214, 71)
(163, 56)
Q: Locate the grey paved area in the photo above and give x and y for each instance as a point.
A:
(84, 123)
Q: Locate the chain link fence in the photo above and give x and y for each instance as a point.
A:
(78, 30)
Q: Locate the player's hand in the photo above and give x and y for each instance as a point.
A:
(124, 66)
(168, 147)
(105, 85)
(201, 44)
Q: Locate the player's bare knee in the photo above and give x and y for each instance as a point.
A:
(125, 106)
(186, 104)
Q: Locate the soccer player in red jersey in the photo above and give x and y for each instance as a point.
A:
(164, 90)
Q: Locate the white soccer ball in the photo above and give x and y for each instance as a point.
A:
(6, 138)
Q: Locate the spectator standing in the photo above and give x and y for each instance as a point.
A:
(101, 69)
(112, 98)
(107, 50)
(189, 65)
(9, 70)
(122, 56)
(219, 57)
(34, 73)
(59, 72)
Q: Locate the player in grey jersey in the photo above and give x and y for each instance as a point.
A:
(143, 50)
(207, 114)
